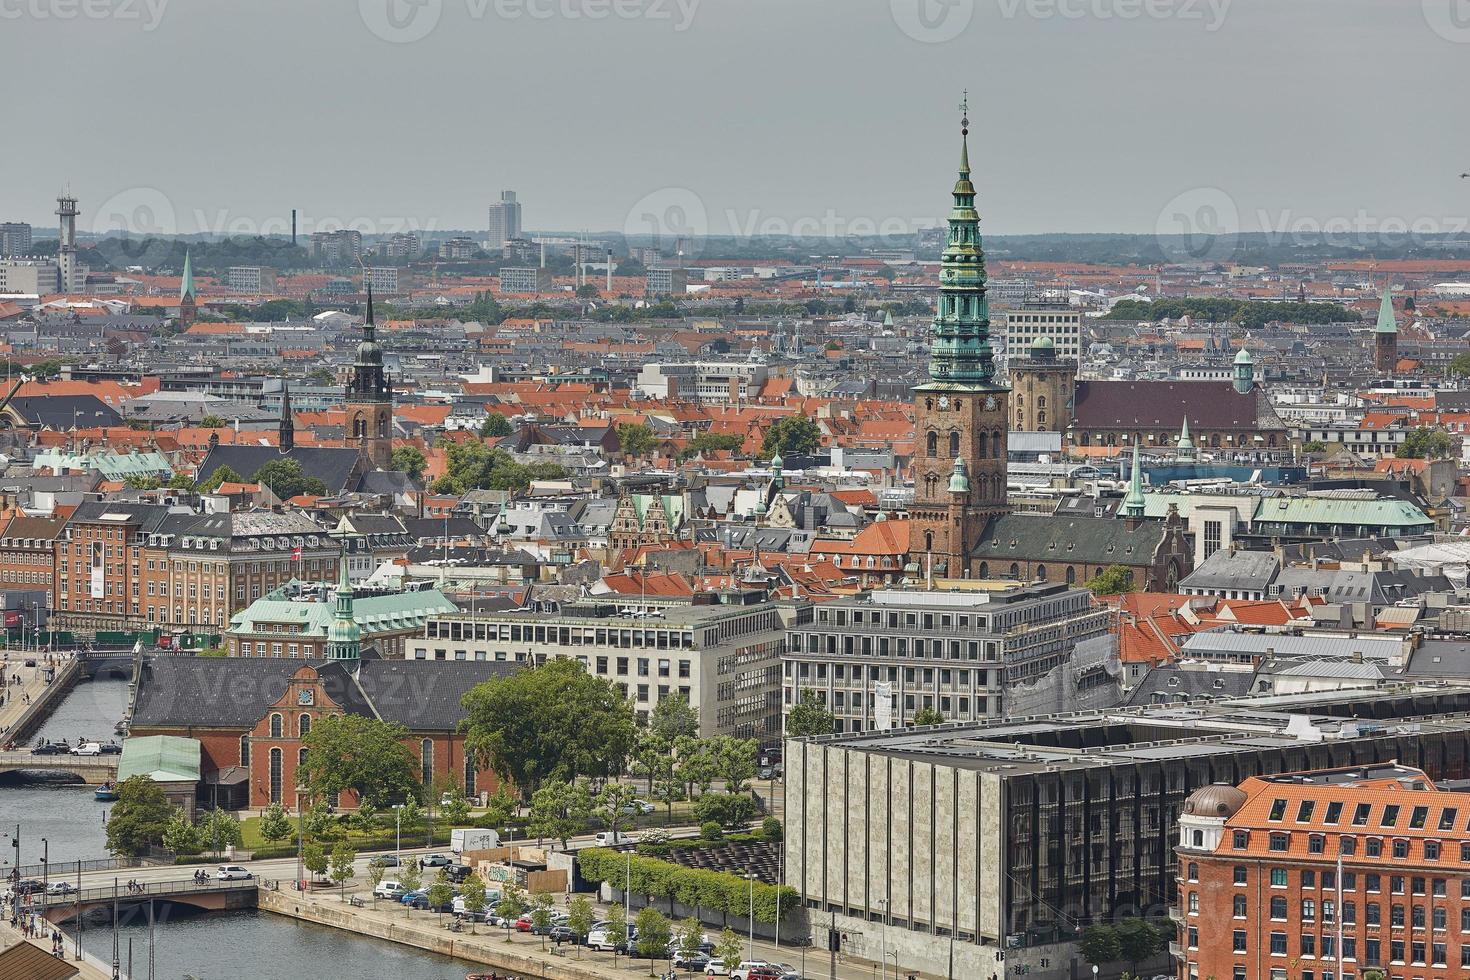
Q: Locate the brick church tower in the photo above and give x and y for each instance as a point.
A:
(960, 414)
(1386, 336)
(369, 398)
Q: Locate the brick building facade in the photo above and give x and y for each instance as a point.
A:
(1324, 875)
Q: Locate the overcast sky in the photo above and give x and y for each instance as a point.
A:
(721, 115)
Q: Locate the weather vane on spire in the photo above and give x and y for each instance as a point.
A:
(965, 114)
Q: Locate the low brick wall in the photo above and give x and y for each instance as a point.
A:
(431, 937)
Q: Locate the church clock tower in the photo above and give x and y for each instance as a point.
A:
(960, 414)
(369, 398)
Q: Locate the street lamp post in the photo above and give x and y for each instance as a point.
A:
(883, 938)
(750, 876)
(397, 835)
(45, 874)
(300, 872)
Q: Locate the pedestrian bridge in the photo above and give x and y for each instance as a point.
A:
(210, 895)
(94, 770)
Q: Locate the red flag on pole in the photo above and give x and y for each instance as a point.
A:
(296, 553)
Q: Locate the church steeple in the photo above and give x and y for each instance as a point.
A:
(344, 636)
(1133, 503)
(188, 302)
(287, 438)
(369, 397)
(959, 346)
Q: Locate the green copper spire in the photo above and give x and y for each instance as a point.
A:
(186, 287)
(959, 347)
(1387, 322)
(344, 637)
(1133, 503)
(1185, 445)
(959, 481)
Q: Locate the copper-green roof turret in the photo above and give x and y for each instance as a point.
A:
(959, 480)
(959, 347)
(186, 285)
(344, 636)
(1185, 445)
(1133, 503)
(1387, 322)
(1245, 372)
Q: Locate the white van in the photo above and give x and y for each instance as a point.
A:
(390, 888)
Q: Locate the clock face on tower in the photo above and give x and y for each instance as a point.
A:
(305, 695)
(944, 401)
(990, 403)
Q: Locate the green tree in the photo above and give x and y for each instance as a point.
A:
(771, 830)
(495, 426)
(1100, 945)
(580, 916)
(732, 810)
(1459, 366)
(500, 807)
(711, 831)
(409, 876)
(473, 892)
(617, 927)
(275, 826)
(727, 951)
(927, 716)
(410, 460)
(362, 754)
(1314, 446)
(456, 811)
(472, 465)
(343, 858)
(218, 830)
(322, 376)
(440, 893)
(376, 872)
(711, 442)
(559, 810)
(509, 906)
(286, 479)
(653, 935)
(809, 716)
(587, 290)
(689, 940)
(792, 435)
(181, 836)
(1423, 443)
(211, 422)
(221, 474)
(143, 482)
(555, 719)
(608, 804)
(314, 857)
(541, 915)
(734, 760)
(674, 717)
(636, 439)
(1137, 941)
(1113, 580)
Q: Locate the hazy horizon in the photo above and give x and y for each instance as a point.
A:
(718, 117)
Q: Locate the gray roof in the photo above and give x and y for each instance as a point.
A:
(1167, 683)
(1090, 540)
(1234, 571)
(1223, 642)
(333, 466)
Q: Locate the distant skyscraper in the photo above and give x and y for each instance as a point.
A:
(505, 220)
(15, 239)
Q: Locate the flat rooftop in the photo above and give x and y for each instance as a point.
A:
(1151, 733)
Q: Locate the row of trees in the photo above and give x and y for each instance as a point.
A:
(1132, 940)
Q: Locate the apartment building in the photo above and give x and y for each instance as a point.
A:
(28, 555)
(722, 382)
(1324, 875)
(1031, 321)
(295, 621)
(527, 280)
(251, 279)
(723, 653)
(99, 565)
(666, 282)
(953, 652)
(15, 239)
(389, 280)
(504, 220)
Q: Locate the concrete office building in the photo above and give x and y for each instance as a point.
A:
(252, 279)
(1032, 321)
(1010, 837)
(720, 382)
(666, 282)
(723, 655)
(32, 277)
(524, 280)
(954, 652)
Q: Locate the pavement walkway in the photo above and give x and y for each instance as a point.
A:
(32, 683)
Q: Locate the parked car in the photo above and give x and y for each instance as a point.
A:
(30, 661)
(384, 860)
(457, 873)
(389, 888)
(407, 897)
(696, 962)
(422, 902)
(435, 861)
(612, 838)
(87, 748)
(51, 748)
(788, 972)
(598, 940)
(112, 748)
(523, 924)
(233, 872)
(562, 934)
(747, 970)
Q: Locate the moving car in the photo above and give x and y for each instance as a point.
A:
(233, 872)
(638, 806)
(60, 888)
(51, 748)
(389, 889)
(87, 748)
(384, 860)
(435, 861)
(112, 748)
(612, 838)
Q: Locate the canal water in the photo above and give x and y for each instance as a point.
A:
(214, 946)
